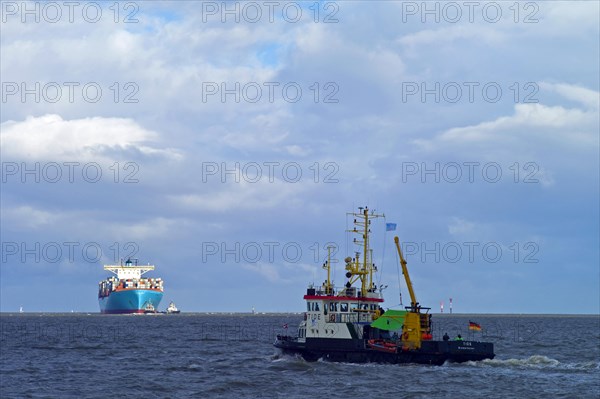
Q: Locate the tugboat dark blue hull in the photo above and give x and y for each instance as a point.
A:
(358, 351)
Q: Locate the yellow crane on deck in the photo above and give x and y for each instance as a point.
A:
(417, 325)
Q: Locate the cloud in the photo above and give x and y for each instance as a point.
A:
(526, 116)
(589, 98)
(574, 128)
(450, 34)
(293, 272)
(156, 227)
(242, 196)
(266, 270)
(172, 51)
(28, 218)
(297, 150)
(550, 19)
(50, 137)
(460, 226)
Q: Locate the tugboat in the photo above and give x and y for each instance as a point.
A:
(172, 309)
(349, 325)
(149, 308)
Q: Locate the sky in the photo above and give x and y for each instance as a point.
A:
(225, 143)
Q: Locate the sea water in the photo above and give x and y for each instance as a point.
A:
(232, 356)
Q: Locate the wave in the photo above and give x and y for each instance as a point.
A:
(535, 362)
(190, 367)
(289, 362)
(283, 356)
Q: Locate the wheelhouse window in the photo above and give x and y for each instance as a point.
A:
(343, 307)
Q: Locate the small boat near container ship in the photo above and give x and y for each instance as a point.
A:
(172, 309)
(349, 324)
(149, 308)
(129, 292)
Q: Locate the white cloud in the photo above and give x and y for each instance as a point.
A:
(266, 270)
(156, 227)
(297, 150)
(293, 272)
(527, 116)
(534, 20)
(327, 49)
(564, 18)
(582, 95)
(50, 137)
(544, 176)
(573, 127)
(28, 218)
(460, 226)
(172, 51)
(444, 35)
(243, 195)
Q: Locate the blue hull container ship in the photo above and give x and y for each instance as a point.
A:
(129, 292)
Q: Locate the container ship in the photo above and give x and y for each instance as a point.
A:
(348, 324)
(129, 292)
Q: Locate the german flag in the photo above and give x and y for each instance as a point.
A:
(474, 326)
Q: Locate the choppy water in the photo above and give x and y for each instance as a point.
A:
(231, 356)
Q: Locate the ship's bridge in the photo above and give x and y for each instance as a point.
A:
(129, 270)
(348, 306)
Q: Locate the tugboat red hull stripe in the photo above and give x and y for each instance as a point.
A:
(342, 298)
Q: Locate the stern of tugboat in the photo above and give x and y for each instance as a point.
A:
(464, 351)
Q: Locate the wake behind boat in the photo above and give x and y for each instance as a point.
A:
(349, 324)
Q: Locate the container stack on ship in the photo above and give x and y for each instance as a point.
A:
(129, 292)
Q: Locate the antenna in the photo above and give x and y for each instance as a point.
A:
(358, 269)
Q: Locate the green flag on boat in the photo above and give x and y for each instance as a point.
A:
(391, 320)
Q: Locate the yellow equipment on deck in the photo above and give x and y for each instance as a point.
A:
(417, 325)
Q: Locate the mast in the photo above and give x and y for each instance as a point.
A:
(357, 270)
(373, 269)
(327, 265)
